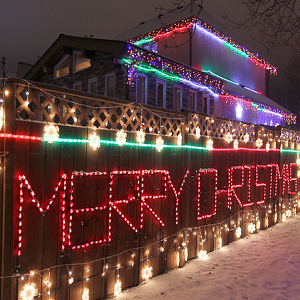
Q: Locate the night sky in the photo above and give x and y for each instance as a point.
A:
(29, 27)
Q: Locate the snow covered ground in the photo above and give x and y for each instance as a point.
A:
(261, 266)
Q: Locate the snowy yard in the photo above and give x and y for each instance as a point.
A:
(261, 266)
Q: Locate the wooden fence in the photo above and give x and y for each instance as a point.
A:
(78, 220)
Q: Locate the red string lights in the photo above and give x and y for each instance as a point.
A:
(240, 179)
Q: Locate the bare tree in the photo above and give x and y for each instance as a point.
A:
(292, 86)
(278, 21)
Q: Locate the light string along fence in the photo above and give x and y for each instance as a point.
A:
(142, 120)
(239, 225)
(216, 234)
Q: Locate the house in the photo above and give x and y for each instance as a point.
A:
(185, 65)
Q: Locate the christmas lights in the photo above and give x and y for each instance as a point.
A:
(140, 136)
(85, 294)
(159, 144)
(198, 133)
(210, 144)
(259, 143)
(94, 141)
(28, 292)
(251, 227)
(203, 255)
(121, 137)
(51, 133)
(117, 287)
(188, 24)
(147, 272)
(235, 144)
(1, 116)
(228, 138)
(179, 139)
(238, 232)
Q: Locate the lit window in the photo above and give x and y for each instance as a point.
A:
(110, 85)
(160, 93)
(62, 68)
(141, 89)
(77, 86)
(80, 62)
(177, 98)
(92, 85)
(193, 100)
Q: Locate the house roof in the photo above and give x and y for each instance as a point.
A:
(252, 96)
(196, 14)
(65, 42)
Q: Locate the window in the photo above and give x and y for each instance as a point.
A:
(208, 104)
(193, 100)
(110, 85)
(77, 86)
(177, 98)
(160, 93)
(63, 67)
(92, 85)
(80, 62)
(141, 89)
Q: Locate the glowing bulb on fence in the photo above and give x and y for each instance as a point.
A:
(210, 144)
(94, 140)
(159, 144)
(140, 136)
(86, 294)
(236, 144)
(198, 133)
(283, 218)
(186, 254)
(147, 272)
(228, 137)
(259, 143)
(238, 232)
(1, 116)
(71, 280)
(246, 138)
(28, 292)
(288, 213)
(51, 133)
(6, 92)
(251, 227)
(202, 255)
(121, 137)
(258, 225)
(48, 283)
(117, 287)
(179, 139)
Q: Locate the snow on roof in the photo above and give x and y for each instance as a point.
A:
(247, 94)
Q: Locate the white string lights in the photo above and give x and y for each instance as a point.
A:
(117, 287)
(147, 272)
(28, 292)
(85, 294)
(159, 144)
(121, 137)
(51, 133)
(94, 141)
(140, 136)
